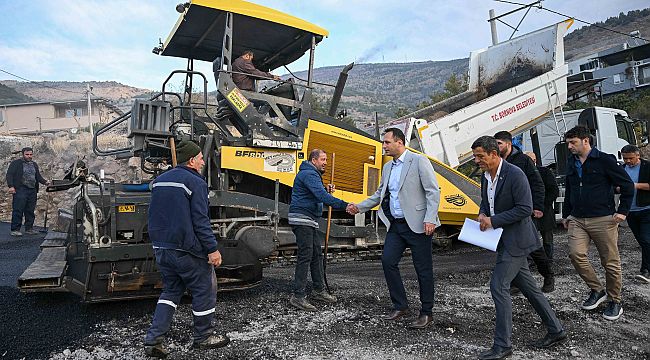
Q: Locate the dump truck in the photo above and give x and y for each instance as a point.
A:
(253, 144)
(512, 86)
(519, 86)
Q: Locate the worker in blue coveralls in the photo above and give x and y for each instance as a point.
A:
(186, 250)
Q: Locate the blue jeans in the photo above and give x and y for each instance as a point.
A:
(398, 238)
(639, 222)
(180, 271)
(24, 203)
(310, 256)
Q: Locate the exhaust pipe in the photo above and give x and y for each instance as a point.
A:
(338, 91)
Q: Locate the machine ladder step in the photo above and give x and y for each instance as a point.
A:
(54, 239)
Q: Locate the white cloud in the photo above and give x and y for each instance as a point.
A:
(24, 60)
(95, 21)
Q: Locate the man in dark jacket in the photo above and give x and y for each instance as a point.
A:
(513, 155)
(506, 203)
(245, 72)
(590, 214)
(23, 178)
(546, 224)
(307, 198)
(639, 217)
(185, 248)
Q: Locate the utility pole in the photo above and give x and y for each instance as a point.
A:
(493, 27)
(90, 123)
(493, 18)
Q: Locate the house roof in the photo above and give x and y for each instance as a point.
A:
(578, 86)
(637, 53)
(62, 102)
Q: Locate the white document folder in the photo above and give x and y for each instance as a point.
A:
(471, 233)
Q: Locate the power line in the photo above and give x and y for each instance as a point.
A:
(540, 6)
(39, 82)
(594, 25)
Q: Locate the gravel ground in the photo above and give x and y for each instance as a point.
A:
(262, 326)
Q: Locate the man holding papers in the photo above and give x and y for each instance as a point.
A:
(506, 202)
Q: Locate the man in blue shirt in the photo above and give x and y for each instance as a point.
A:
(639, 217)
(409, 197)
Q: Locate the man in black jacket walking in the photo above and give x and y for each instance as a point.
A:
(546, 224)
(514, 156)
(590, 214)
(23, 178)
(639, 217)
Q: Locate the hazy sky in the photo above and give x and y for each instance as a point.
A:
(77, 40)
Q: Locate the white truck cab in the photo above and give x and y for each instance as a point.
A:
(611, 128)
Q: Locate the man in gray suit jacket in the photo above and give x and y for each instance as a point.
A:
(409, 198)
(506, 203)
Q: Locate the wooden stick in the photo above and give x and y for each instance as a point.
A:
(47, 208)
(327, 232)
(172, 146)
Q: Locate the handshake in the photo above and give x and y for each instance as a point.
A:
(352, 209)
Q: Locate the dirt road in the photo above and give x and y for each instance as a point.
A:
(262, 326)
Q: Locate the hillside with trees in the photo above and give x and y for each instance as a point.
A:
(389, 89)
(9, 95)
(593, 38)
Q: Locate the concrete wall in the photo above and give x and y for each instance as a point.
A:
(609, 73)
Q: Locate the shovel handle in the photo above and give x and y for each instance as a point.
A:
(172, 147)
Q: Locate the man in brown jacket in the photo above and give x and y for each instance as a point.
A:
(242, 66)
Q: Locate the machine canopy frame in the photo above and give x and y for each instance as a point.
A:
(276, 38)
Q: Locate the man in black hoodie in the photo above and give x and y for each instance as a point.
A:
(515, 156)
(546, 224)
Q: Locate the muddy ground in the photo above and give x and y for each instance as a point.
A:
(263, 326)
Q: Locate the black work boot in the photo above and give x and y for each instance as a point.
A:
(156, 350)
(550, 340)
(323, 296)
(212, 342)
(301, 303)
(549, 284)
